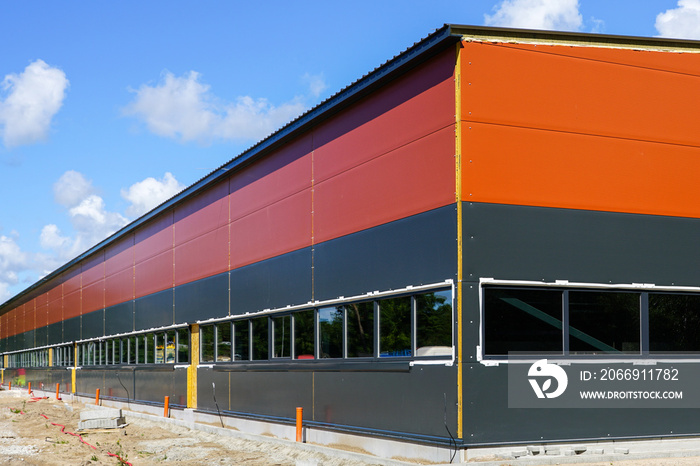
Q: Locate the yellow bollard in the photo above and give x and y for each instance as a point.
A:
(300, 413)
(166, 407)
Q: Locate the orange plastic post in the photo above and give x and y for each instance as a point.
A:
(29, 389)
(58, 386)
(166, 407)
(300, 413)
(97, 396)
(10, 384)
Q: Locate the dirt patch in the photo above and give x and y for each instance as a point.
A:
(28, 438)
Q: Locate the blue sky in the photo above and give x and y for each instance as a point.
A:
(109, 108)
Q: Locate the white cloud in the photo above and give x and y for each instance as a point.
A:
(183, 108)
(71, 188)
(13, 261)
(33, 98)
(682, 22)
(149, 193)
(316, 82)
(562, 15)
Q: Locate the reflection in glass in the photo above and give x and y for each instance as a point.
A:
(207, 336)
(304, 335)
(360, 323)
(261, 339)
(434, 324)
(527, 321)
(241, 340)
(141, 349)
(223, 341)
(282, 339)
(330, 327)
(674, 323)
(150, 349)
(395, 327)
(170, 347)
(604, 322)
(183, 345)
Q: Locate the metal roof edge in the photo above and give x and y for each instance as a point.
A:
(406, 60)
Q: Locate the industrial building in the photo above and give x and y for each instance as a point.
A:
(377, 260)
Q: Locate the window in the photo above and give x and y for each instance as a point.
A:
(282, 336)
(207, 342)
(223, 342)
(360, 328)
(261, 349)
(330, 329)
(183, 345)
(434, 324)
(170, 347)
(603, 322)
(674, 323)
(241, 340)
(304, 347)
(395, 327)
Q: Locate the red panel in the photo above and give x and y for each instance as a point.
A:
(72, 305)
(56, 292)
(93, 296)
(407, 181)
(42, 310)
(271, 179)
(11, 324)
(55, 308)
(204, 213)
(202, 257)
(72, 280)
(154, 238)
(279, 228)
(407, 109)
(94, 269)
(154, 274)
(3, 327)
(119, 287)
(536, 86)
(120, 256)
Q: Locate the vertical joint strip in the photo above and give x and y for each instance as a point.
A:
(192, 369)
(458, 199)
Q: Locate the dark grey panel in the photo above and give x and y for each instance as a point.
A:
(414, 402)
(119, 318)
(55, 333)
(28, 338)
(412, 251)
(88, 380)
(536, 243)
(71, 329)
(272, 283)
(119, 383)
(489, 420)
(202, 299)
(93, 324)
(155, 310)
(220, 389)
(153, 384)
(41, 336)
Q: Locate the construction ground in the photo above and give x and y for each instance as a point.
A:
(40, 430)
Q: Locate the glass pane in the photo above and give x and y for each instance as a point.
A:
(132, 350)
(526, 321)
(260, 339)
(141, 349)
(395, 327)
(434, 324)
(108, 352)
(304, 335)
(124, 351)
(150, 348)
(183, 345)
(242, 339)
(282, 336)
(159, 342)
(603, 322)
(360, 329)
(674, 323)
(330, 327)
(223, 342)
(170, 347)
(103, 352)
(207, 340)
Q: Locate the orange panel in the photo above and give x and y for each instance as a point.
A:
(619, 92)
(72, 280)
(42, 311)
(280, 175)
(119, 287)
(412, 179)
(72, 305)
(93, 296)
(205, 212)
(282, 227)
(509, 165)
(202, 257)
(413, 106)
(154, 238)
(154, 274)
(55, 309)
